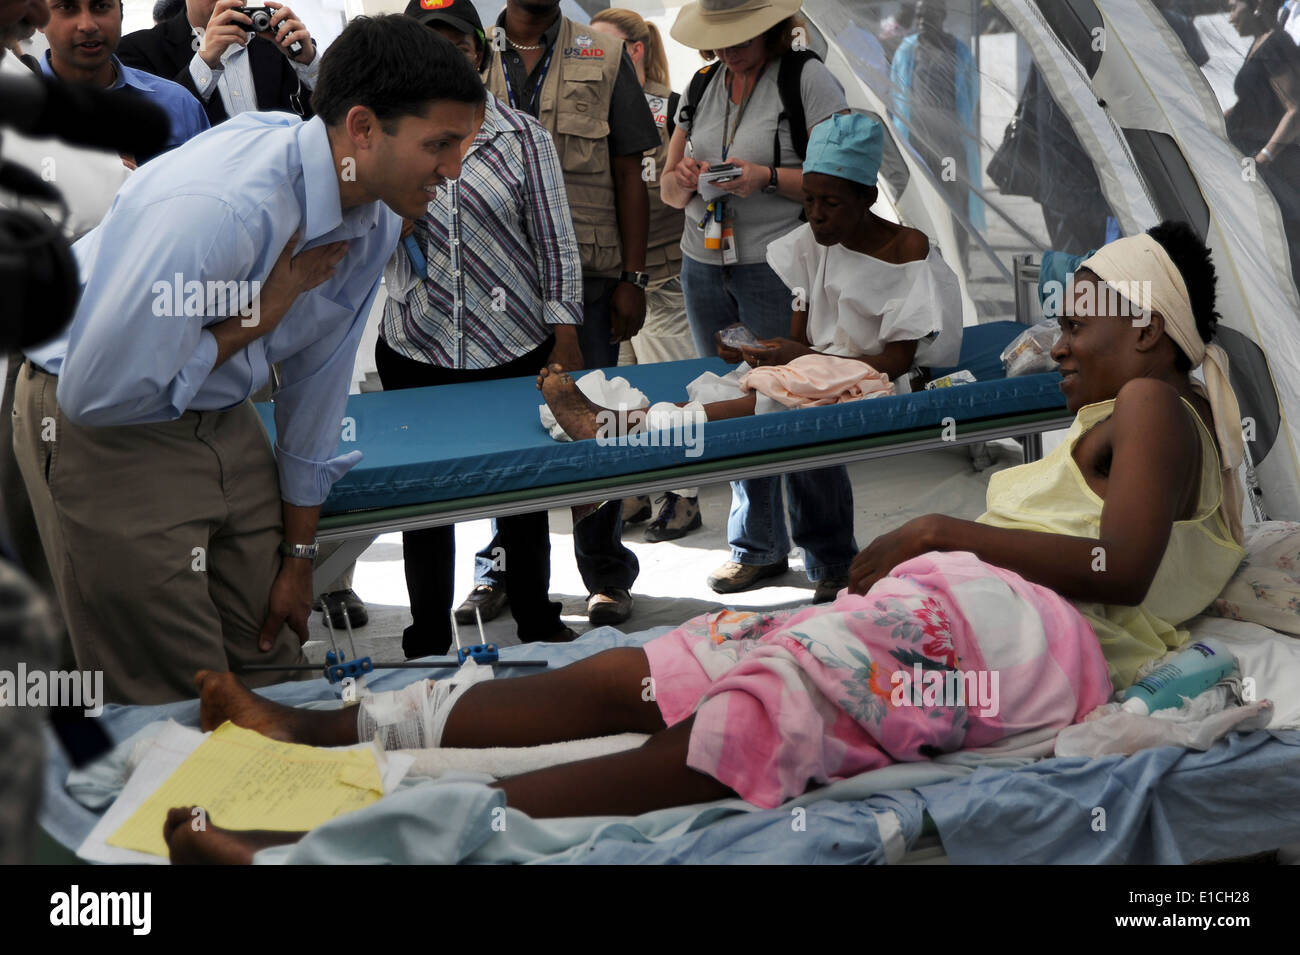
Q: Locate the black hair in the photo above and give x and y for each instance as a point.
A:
(166, 9)
(1197, 269)
(395, 67)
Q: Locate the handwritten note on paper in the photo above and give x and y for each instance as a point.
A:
(246, 781)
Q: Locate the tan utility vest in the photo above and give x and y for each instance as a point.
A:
(573, 105)
(663, 252)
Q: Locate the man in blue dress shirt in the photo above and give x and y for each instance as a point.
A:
(177, 540)
(83, 37)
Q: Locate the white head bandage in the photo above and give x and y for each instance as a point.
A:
(1140, 261)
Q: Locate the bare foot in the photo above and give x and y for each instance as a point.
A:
(191, 842)
(580, 417)
(222, 697)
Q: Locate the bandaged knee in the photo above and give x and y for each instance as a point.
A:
(414, 717)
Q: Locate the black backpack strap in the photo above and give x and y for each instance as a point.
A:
(673, 100)
(695, 92)
(788, 79)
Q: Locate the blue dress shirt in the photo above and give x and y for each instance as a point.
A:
(184, 111)
(219, 210)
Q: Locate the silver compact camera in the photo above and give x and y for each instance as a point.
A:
(261, 17)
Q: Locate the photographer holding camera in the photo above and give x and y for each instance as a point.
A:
(214, 50)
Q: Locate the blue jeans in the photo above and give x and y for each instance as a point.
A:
(821, 501)
(603, 561)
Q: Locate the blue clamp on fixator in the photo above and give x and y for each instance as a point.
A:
(338, 667)
(484, 654)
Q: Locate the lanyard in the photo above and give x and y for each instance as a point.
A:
(537, 90)
(728, 133)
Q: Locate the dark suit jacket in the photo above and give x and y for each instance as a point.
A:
(166, 50)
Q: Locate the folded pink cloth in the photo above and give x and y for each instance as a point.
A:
(812, 380)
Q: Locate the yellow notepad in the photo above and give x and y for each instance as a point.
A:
(245, 780)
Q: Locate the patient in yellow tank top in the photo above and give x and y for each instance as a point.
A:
(1136, 517)
(1053, 496)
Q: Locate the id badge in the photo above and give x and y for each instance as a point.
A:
(729, 256)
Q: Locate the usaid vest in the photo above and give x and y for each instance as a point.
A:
(573, 105)
(663, 252)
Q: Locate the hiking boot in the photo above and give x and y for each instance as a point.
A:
(612, 606)
(489, 600)
(828, 589)
(732, 577)
(678, 516)
(637, 510)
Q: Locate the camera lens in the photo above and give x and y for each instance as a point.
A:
(261, 20)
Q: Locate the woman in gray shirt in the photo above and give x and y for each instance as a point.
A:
(737, 121)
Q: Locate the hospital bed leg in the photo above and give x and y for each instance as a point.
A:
(1032, 444)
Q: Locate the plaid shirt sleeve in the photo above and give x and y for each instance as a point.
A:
(555, 245)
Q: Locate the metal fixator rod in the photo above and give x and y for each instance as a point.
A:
(329, 628)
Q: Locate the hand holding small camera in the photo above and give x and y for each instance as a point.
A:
(227, 25)
(289, 33)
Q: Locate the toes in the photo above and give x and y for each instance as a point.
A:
(175, 819)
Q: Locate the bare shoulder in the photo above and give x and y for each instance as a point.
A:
(1151, 409)
(913, 245)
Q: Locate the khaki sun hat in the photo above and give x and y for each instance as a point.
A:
(715, 24)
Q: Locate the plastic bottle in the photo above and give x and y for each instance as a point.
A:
(1201, 665)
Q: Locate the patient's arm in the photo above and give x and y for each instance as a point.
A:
(895, 360)
(1153, 468)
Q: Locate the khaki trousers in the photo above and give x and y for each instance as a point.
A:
(161, 538)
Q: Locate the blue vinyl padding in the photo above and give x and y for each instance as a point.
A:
(425, 445)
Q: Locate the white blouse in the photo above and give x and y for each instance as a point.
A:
(857, 303)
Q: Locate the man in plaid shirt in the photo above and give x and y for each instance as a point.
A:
(498, 295)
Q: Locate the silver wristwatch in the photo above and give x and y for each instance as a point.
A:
(305, 551)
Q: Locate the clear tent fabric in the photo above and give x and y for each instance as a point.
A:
(1026, 125)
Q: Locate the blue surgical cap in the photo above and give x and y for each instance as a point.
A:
(848, 145)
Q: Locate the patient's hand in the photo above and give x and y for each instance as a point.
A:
(918, 536)
(775, 351)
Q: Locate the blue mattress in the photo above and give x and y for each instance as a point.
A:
(426, 445)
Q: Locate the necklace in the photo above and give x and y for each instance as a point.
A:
(521, 46)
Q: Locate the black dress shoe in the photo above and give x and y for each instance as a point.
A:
(342, 602)
(490, 601)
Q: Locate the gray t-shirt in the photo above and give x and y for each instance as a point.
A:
(760, 218)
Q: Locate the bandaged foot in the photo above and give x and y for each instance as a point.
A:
(415, 716)
(580, 417)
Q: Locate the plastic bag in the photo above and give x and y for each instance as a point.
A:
(1031, 352)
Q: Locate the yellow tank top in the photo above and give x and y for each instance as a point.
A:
(1052, 496)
